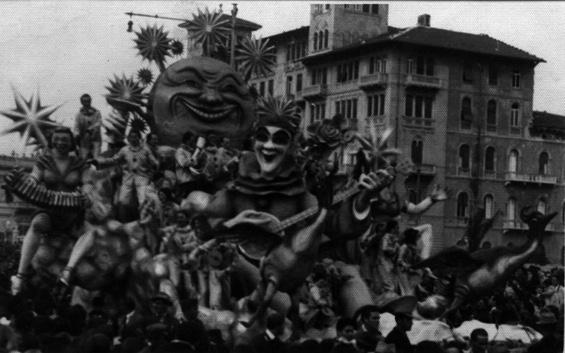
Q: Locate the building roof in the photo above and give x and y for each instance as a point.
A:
(239, 23)
(293, 33)
(545, 120)
(438, 38)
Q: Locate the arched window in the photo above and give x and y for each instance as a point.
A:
(491, 114)
(511, 209)
(462, 205)
(513, 161)
(316, 41)
(563, 214)
(542, 206)
(464, 157)
(489, 159)
(489, 206)
(417, 150)
(543, 164)
(320, 40)
(466, 113)
(515, 115)
(326, 36)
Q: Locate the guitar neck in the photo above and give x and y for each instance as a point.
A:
(313, 210)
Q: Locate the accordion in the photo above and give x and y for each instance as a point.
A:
(28, 189)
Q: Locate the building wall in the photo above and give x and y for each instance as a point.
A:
(443, 137)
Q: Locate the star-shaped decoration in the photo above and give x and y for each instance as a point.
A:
(31, 119)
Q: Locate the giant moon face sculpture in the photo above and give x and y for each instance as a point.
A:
(204, 96)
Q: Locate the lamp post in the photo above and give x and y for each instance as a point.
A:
(233, 37)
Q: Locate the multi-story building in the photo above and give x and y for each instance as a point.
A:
(459, 104)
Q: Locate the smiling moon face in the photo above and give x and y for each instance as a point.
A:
(204, 96)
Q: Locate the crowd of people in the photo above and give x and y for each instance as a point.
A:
(34, 319)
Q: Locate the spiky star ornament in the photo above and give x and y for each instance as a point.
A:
(152, 44)
(255, 56)
(177, 48)
(31, 119)
(124, 92)
(145, 76)
(210, 29)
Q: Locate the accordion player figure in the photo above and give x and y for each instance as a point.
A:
(54, 186)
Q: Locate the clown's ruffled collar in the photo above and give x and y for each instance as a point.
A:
(250, 181)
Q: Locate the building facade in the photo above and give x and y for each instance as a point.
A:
(459, 104)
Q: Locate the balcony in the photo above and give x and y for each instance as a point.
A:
(459, 222)
(315, 92)
(423, 81)
(418, 123)
(519, 225)
(373, 81)
(463, 171)
(293, 66)
(425, 169)
(538, 179)
(514, 225)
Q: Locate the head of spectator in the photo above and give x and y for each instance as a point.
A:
(369, 317)
(346, 328)
(276, 324)
(479, 341)
(428, 347)
(98, 343)
(181, 218)
(453, 347)
(160, 304)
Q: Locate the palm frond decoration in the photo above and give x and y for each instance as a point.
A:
(137, 123)
(145, 76)
(115, 125)
(210, 29)
(152, 44)
(124, 92)
(278, 110)
(255, 56)
(177, 48)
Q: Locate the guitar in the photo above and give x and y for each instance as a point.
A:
(257, 232)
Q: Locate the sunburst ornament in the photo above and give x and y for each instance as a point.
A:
(145, 76)
(210, 29)
(124, 92)
(152, 44)
(31, 119)
(255, 56)
(177, 48)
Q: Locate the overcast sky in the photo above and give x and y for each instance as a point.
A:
(71, 47)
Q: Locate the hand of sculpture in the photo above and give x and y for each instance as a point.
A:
(147, 212)
(375, 181)
(92, 162)
(439, 193)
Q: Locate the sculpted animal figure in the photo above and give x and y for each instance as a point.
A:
(478, 273)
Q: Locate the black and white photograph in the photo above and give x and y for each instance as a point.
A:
(282, 177)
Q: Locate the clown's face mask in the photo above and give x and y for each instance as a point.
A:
(204, 96)
(272, 146)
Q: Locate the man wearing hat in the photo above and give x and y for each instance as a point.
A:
(402, 309)
(552, 331)
(368, 336)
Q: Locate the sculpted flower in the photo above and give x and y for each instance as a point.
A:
(325, 133)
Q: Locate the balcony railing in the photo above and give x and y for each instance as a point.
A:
(457, 221)
(373, 81)
(463, 171)
(530, 178)
(514, 225)
(293, 66)
(423, 81)
(315, 91)
(425, 169)
(418, 123)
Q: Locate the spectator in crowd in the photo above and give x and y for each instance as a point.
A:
(479, 341)
(346, 329)
(552, 331)
(402, 309)
(368, 336)
(269, 340)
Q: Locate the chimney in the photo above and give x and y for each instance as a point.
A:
(424, 20)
